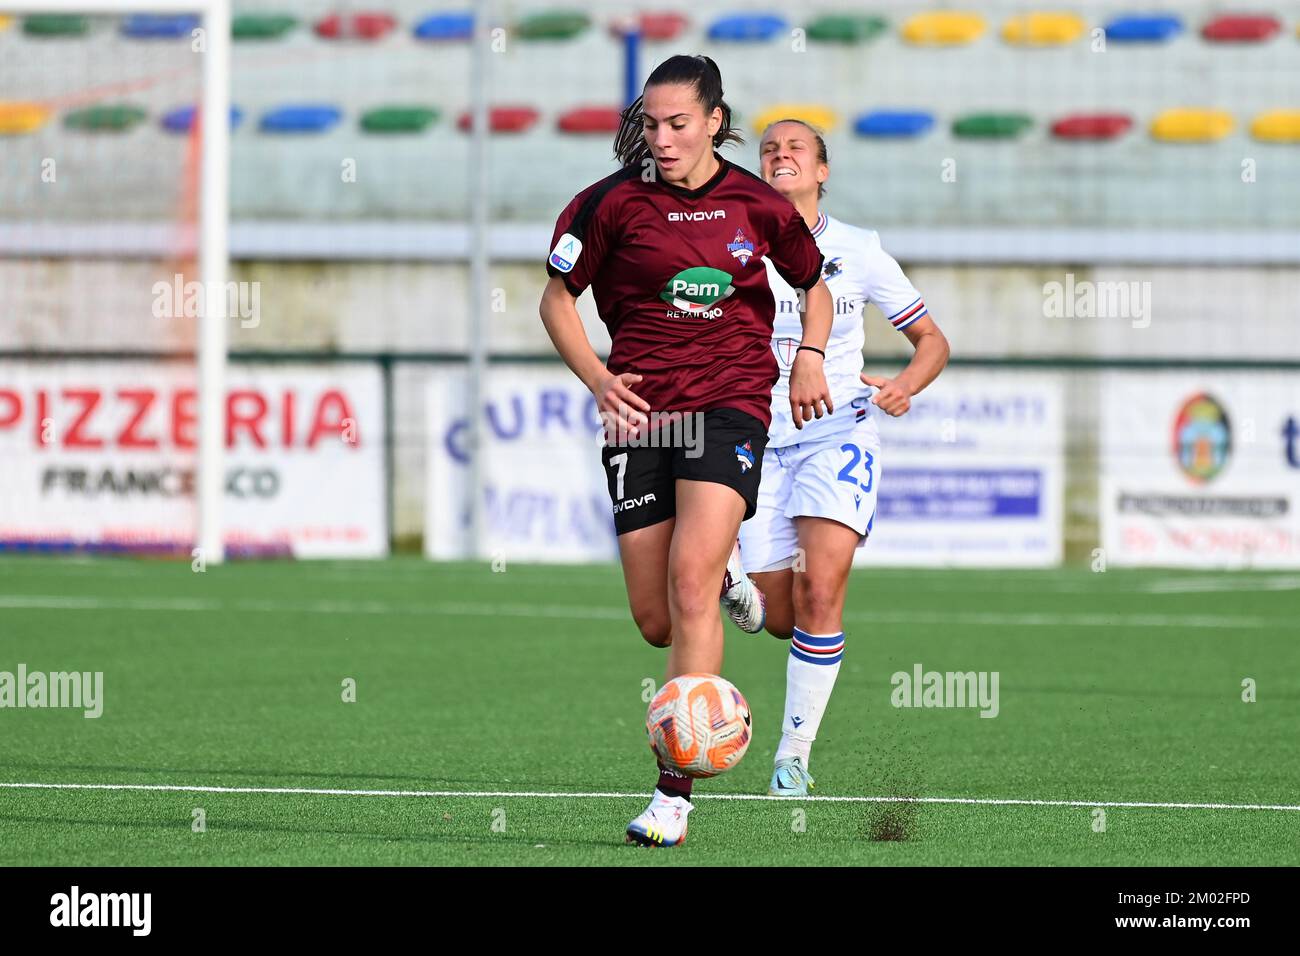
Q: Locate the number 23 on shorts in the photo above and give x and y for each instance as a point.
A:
(857, 456)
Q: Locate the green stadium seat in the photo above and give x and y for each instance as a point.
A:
(846, 28)
(56, 25)
(552, 25)
(398, 119)
(991, 125)
(103, 118)
(256, 26)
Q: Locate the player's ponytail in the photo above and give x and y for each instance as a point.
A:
(700, 72)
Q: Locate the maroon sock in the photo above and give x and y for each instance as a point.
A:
(673, 783)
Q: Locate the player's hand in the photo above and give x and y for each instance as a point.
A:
(810, 396)
(621, 408)
(892, 396)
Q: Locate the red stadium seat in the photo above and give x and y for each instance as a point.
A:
(1092, 126)
(504, 119)
(590, 119)
(356, 26)
(652, 26)
(1240, 29)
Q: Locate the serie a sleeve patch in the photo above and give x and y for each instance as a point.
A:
(565, 254)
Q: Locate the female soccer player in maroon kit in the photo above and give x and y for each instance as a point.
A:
(672, 246)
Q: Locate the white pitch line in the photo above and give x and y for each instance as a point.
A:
(975, 801)
(52, 602)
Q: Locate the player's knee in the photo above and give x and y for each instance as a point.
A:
(655, 628)
(690, 594)
(779, 627)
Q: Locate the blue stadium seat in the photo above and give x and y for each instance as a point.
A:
(1143, 29)
(300, 119)
(181, 119)
(152, 26)
(446, 26)
(747, 27)
(893, 123)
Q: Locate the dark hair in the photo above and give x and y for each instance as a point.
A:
(700, 72)
(821, 145)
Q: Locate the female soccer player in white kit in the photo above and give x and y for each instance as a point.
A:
(817, 495)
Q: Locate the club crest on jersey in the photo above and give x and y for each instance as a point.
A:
(741, 248)
(833, 267)
(565, 254)
(785, 350)
(745, 455)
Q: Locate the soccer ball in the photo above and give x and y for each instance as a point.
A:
(699, 725)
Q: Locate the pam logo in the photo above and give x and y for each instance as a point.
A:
(695, 290)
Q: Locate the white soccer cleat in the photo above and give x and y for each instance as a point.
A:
(663, 823)
(741, 598)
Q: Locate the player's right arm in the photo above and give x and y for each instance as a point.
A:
(615, 400)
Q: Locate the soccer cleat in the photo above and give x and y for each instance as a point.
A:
(790, 779)
(663, 823)
(743, 601)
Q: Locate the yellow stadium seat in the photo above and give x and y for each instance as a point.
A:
(943, 28)
(1192, 125)
(1277, 126)
(821, 117)
(5, 22)
(17, 118)
(1043, 29)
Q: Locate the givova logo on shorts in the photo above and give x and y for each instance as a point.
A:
(695, 292)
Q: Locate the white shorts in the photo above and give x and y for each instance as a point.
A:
(835, 478)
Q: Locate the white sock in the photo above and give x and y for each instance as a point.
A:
(809, 679)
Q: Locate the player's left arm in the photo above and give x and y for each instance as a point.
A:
(894, 395)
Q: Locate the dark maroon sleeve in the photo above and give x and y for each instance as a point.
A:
(794, 251)
(579, 242)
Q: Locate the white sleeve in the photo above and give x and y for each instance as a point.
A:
(887, 286)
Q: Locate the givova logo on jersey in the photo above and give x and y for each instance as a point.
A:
(694, 293)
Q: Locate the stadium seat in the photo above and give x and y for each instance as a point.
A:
(17, 118)
(445, 26)
(991, 125)
(300, 119)
(1145, 29)
(356, 26)
(116, 119)
(181, 119)
(5, 22)
(55, 25)
(504, 119)
(1043, 29)
(1092, 126)
(747, 28)
(589, 119)
(398, 119)
(1230, 28)
(552, 25)
(1191, 125)
(254, 26)
(943, 28)
(821, 117)
(895, 123)
(148, 26)
(845, 28)
(1277, 126)
(652, 26)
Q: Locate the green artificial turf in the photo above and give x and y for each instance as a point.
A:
(1118, 687)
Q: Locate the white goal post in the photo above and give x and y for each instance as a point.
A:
(212, 235)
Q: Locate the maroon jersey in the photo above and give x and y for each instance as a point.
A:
(678, 278)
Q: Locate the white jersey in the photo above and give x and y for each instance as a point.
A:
(857, 271)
